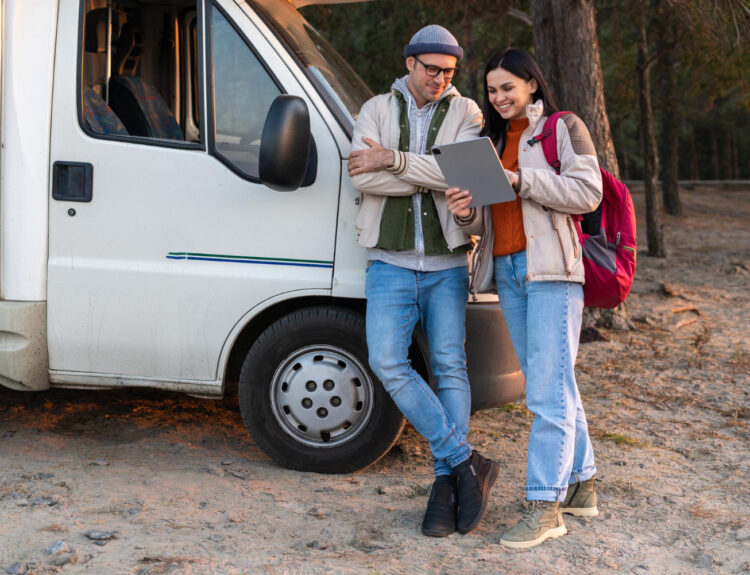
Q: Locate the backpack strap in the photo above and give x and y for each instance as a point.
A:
(548, 138)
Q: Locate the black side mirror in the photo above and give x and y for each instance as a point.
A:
(285, 144)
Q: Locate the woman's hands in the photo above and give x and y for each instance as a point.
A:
(513, 179)
(458, 202)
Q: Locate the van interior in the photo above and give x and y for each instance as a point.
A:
(139, 69)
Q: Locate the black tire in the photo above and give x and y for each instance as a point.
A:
(308, 397)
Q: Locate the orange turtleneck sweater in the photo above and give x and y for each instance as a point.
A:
(507, 218)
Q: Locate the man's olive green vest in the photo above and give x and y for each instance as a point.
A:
(397, 224)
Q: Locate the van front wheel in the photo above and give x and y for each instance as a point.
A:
(308, 397)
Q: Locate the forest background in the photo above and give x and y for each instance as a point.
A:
(696, 51)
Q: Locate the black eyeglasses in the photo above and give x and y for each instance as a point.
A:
(434, 71)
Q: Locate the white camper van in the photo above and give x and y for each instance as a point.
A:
(175, 213)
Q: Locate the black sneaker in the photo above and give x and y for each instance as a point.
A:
(442, 508)
(476, 476)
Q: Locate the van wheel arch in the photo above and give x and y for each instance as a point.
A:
(418, 352)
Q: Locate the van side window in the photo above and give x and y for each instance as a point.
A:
(139, 70)
(243, 92)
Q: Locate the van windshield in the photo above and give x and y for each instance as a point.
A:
(337, 82)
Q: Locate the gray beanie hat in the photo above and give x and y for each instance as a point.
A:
(433, 39)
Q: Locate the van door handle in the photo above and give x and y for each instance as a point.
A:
(72, 181)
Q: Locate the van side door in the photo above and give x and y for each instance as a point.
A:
(162, 236)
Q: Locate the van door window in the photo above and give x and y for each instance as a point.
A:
(243, 92)
(139, 69)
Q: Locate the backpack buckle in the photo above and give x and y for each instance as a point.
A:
(539, 137)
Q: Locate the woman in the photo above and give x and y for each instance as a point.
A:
(531, 247)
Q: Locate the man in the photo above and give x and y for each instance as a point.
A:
(418, 267)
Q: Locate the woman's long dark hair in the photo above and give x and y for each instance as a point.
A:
(521, 64)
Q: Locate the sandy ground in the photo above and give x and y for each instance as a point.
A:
(150, 483)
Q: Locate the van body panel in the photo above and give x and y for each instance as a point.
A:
(23, 345)
(28, 59)
(148, 279)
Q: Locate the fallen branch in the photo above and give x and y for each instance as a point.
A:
(686, 308)
(685, 322)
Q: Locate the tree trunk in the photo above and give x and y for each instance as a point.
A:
(545, 45)
(567, 28)
(654, 216)
(694, 171)
(728, 157)
(715, 162)
(735, 159)
(580, 74)
(670, 118)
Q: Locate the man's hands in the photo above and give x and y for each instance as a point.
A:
(373, 159)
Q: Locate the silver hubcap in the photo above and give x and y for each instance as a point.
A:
(322, 396)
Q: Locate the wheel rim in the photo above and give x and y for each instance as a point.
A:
(322, 396)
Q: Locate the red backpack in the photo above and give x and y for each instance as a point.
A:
(607, 234)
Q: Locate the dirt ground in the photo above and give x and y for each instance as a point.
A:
(139, 482)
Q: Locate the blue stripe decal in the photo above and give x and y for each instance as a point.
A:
(298, 263)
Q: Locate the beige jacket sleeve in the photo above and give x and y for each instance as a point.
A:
(473, 224)
(422, 170)
(384, 182)
(578, 188)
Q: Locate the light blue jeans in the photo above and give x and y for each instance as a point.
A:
(396, 299)
(544, 321)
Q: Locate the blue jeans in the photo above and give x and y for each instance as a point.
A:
(544, 321)
(396, 299)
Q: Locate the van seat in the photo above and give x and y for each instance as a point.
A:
(142, 109)
(98, 116)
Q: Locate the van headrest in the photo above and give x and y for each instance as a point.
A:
(96, 31)
(128, 51)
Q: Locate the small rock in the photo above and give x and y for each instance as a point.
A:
(101, 543)
(214, 470)
(318, 512)
(235, 518)
(705, 561)
(383, 491)
(17, 568)
(317, 545)
(57, 548)
(621, 463)
(743, 534)
(237, 474)
(99, 463)
(226, 462)
(42, 476)
(49, 501)
(203, 504)
(216, 537)
(326, 489)
(64, 559)
(96, 535)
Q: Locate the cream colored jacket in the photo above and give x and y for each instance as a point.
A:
(412, 173)
(553, 251)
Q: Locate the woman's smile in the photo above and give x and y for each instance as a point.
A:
(509, 94)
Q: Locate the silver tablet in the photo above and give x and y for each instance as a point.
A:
(473, 165)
